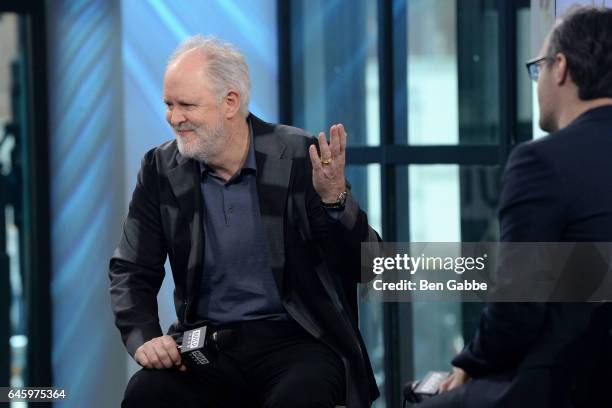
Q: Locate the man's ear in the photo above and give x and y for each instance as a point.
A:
(560, 70)
(232, 104)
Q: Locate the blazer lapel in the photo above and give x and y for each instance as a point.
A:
(273, 175)
(184, 181)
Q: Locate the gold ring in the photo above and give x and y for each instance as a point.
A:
(325, 161)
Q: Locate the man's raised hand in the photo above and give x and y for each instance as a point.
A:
(328, 168)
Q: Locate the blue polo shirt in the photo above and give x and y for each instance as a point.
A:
(237, 280)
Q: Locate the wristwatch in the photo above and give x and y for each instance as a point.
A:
(338, 204)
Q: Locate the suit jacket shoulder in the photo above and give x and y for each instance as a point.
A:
(295, 141)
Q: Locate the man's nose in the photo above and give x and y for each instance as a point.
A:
(175, 117)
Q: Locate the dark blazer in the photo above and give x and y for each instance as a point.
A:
(316, 263)
(558, 188)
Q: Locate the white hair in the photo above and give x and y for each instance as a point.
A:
(224, 65)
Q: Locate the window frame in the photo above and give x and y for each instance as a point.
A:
(391, 156)
(36, 232)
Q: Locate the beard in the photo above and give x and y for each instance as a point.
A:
(206, 142)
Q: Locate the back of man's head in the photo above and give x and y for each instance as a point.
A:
(584, 36)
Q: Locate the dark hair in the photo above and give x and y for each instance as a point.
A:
(584, 36)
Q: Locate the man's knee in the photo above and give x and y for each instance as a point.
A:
(296, 399)
(306, 392)
(151, 388)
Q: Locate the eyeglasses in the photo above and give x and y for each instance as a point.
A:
(533, 67)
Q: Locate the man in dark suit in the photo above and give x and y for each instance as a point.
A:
(264, 243)
(554, 189)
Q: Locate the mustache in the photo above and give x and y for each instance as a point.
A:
(184, 126)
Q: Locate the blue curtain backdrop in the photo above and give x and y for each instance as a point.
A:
(106, 65)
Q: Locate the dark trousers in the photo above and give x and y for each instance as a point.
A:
(270, 364)
(450, 399)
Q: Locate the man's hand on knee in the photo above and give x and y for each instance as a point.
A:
(159, 353)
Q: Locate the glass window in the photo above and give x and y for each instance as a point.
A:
(451, 72)
(448, 86)
(335, 67)
(365, 182)
(542, 19)
(446, 203)
(13, 318)
(524, 84)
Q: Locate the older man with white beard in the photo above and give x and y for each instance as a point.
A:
(263, 237)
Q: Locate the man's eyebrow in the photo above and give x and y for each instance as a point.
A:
(180, 101)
